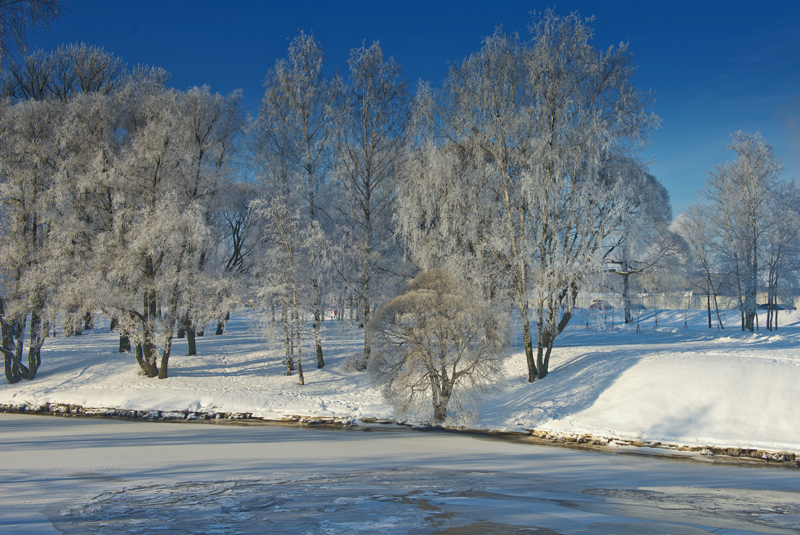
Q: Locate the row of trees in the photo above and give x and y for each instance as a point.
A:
(124, 195)
(515, 185)
(111, 181)
(744, 233)
(517, 177)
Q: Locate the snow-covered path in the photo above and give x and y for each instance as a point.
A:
(81, 475)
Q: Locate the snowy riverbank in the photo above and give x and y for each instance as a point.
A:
(669, 384)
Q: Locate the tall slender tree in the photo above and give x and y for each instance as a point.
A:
(739, 193)
(694, 226)
(373, 110)
(212, 125)
(292, 145)
(298, 97)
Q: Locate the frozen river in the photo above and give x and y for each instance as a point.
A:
(63, 475)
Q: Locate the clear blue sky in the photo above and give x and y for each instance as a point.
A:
(716, 67)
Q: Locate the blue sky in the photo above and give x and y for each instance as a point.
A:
(715, 67)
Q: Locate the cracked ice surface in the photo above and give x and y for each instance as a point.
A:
(81, 476)
(423, 501)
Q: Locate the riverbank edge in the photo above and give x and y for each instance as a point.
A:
(587, 442)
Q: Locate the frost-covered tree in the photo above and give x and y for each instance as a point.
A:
(70, 69)
(644, 242)
(372, 113)
(212, 125)
(295, 125)
(235, 226)
(30, 157)
(59, 138)
(291, 144)
(695, 227)
(17, 17)
(782, 246)
(234, 231)
(739, 194)
(144, 256)
(434, 345)
(536, 127)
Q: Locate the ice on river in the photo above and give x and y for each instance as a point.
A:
(425, 501)
(80, 476)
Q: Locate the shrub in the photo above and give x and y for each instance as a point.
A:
(434, 347)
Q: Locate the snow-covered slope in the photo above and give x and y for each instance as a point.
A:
(672, 384)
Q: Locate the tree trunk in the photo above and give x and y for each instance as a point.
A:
(191, 339)
(542, 352)
(300, 377)
(528, 343)
(147, 361)
(366, 274)
(14, 369)
(34, 349)
(626, 299)
(124, 343)
(169, 329)
(545, 369)
(12, 351)
(287, 339)
(221, 324)
(162, 373)
(540, 342)
(440, 403)
(317, 322)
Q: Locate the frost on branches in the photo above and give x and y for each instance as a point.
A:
(520, 157)
(435, 346)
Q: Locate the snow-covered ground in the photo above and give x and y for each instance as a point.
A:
(672, 383)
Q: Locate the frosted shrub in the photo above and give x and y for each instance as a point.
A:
(356, 363)
(435, 348)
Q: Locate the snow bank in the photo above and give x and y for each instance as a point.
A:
(669, 384)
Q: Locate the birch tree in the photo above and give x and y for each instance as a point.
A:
(695, 227)
(739, 194)
(297, 103)
(372, 114)
(782, 246)
(541, 123)
(291, 145)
